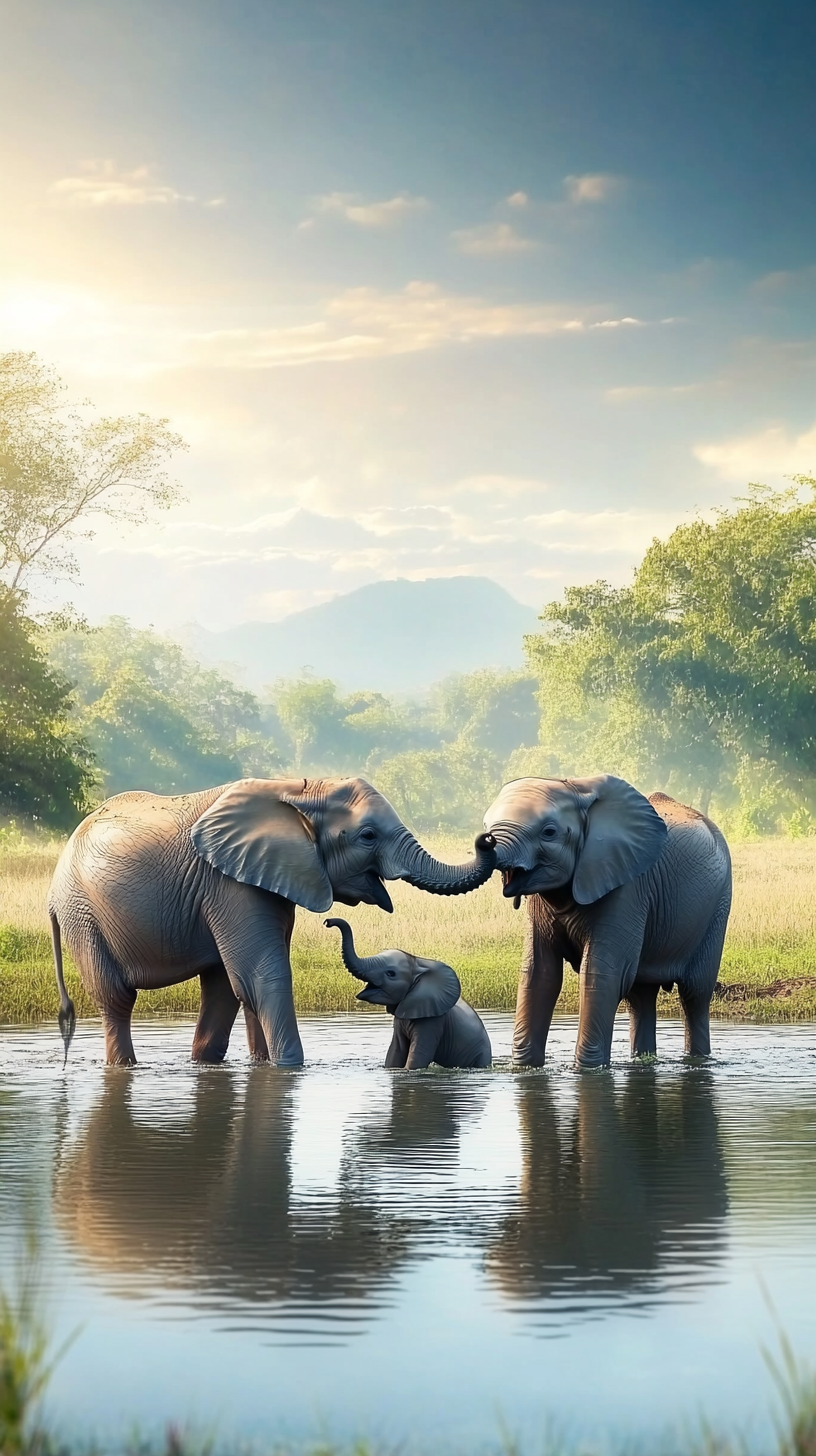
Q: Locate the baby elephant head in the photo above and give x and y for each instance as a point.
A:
(411, 986)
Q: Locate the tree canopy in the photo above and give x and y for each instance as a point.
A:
(700, 678)
(59, 470)
(153, 717)
(46, 771)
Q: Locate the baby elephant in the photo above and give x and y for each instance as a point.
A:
(431, 1021)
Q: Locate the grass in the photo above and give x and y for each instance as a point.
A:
(771, 937)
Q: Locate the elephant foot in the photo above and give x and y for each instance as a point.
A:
(591, 1063)
(528, 1055)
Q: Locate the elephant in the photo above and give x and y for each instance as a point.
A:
(432, 1023)
(621, 1190)
(151, 891)
(634, 892)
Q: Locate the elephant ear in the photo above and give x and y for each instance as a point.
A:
(433, 991)
(251, 834)
(624, 836)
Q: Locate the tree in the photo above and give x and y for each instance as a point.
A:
(700, 678)
(58, 471)
(46, 769)
(441, 788)
(155, 718)
(494, 710)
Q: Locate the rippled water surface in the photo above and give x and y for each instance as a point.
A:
(426, 1255)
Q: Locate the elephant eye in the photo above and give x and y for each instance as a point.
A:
(367, 836)
(391, 974)
(549, 832)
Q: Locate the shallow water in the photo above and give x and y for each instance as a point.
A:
(431, 1256)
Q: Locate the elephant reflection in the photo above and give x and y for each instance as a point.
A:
(206, 1204)
(614, 1188)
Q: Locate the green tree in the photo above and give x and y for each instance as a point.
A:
(494, 710)
(441, 788)
(155, 718)
(46, 768)
(59, 470)
(700, 678)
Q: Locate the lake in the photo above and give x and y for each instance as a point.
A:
(428, 1257)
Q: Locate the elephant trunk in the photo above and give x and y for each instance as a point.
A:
(409, 861)
(359, 966)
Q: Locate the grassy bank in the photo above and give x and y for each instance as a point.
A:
(771, 939)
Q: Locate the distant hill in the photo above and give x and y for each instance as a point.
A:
(392, 636)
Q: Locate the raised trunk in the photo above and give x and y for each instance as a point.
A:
(409, 861)
(363, 967)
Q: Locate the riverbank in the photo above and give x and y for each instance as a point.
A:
(768, 971)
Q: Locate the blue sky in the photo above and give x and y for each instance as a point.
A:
(430, 288)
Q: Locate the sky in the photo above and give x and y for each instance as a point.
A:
(443, 287)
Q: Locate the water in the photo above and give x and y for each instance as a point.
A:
(432, 1255)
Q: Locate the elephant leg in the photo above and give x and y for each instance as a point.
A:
(256, 1041)
(600, 998)
(116, 1026)
(642, 999)
(106, 982)
(697, 984)
(696, 1014)
(540, 982)
(608, 966)
(253, 938)
(216, 1017)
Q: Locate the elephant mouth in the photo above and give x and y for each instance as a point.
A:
(514, 882)
(374, 995)
(370, 890)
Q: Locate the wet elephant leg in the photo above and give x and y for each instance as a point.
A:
(696, 1012)
(116, 1026)
(256, 1041)
(106, 982)
(216, 1017)
(253, 930)
(697, 985)
(540, 982)
(600, 998)
(642, 1000)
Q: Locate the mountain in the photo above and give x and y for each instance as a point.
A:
(391, 636)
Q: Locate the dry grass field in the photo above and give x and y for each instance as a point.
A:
(772, 937)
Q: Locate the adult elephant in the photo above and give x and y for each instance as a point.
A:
(633, 892)
(150, 891)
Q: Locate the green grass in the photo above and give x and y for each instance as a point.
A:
(772, 937)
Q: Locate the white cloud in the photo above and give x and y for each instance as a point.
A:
(623, 322)
(591, 187)
(518, 199)
(769, 452)
(102, 184)
(491, 239)
(371, 214)
(366, 323)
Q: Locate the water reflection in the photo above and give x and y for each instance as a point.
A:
(206, 1206)
(202, 1216)
(622, 1192)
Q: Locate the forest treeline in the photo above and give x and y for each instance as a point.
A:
(698, 679)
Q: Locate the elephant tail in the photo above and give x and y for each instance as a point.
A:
(67, 1011)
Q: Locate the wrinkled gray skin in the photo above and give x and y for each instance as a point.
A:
(633, 892)
(150, 891)
(431, 1021)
